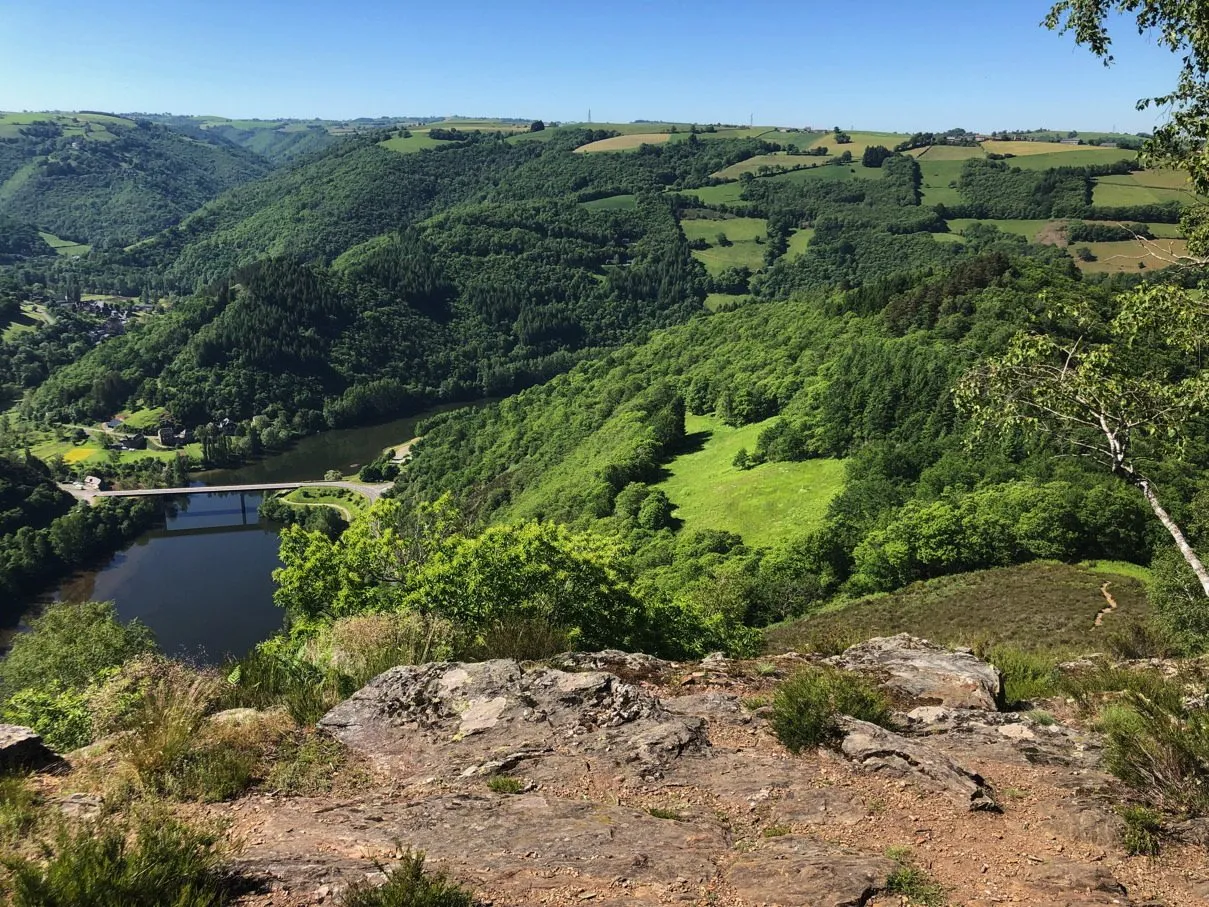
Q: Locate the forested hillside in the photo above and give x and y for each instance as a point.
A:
(110, 181)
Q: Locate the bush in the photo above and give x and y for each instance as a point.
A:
(502, 784)
(807, 707)
(307, 765)
(409, 886)
(1180, 606)
(1026, 675)
(1159, 752)
(62, 717)
(71, 644)
(1089, 688)
(1142, 827)
(152, 862)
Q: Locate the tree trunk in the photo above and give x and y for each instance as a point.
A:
(1180, 542)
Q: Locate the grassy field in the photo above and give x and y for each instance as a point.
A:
(1040, 606)
(1117, 257)
(348, 502)
(937, 174)
(624, 142)
(93, 451)
(1027, 149)
(612, 203)
(725, 194)
(799, 240)
(946, 153)
(1079, 157)
(65, 246)
(30, 318)
(762, 504)
(743, 232)
(860, 141)
(1144, 187)
(778, 159)
(417, 141)
(94, 126)
(1026, 228)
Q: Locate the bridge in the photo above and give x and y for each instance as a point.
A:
(373, 492)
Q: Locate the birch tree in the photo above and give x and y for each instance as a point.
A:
(1124, 392)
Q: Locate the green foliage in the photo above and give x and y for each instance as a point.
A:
(912, 882)
(140, 179)
(1181, 610)
(807, 707)
(1141, 832)
(661, 812)
(18, 809)
(306, 764)
(502, 784)
(69, 646)
(409, 885)
(150, 862)
(62, 717)
(1027, 676)
(1160, 752)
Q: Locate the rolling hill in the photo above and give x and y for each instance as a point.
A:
(110, 181)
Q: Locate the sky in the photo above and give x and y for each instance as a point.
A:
(873, 64)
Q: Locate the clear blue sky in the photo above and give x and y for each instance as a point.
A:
(892, 64)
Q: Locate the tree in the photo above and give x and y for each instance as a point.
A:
(875, 155)
(537, 126)
(1179, 26)
(1122, 393)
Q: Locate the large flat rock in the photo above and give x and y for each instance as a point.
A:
(927, 674)
(21, 749)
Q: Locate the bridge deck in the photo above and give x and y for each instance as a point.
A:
(203, 489)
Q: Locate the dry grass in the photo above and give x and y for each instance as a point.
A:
(1125, 257)
(1023, 149)
(624, 142)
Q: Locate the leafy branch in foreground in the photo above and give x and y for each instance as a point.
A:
(1121, 393)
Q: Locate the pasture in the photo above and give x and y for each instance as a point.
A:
(1076, 157)
(946, 153)
(612, 203)
(798, 241)
(1132, 256)
(746, 235)
(717, 302)
(65, 246)
(417, 141)
(30, 318)
(1023, 149)
(624, 142)
(771, 161)
(1026, 228)
(1144, 187)
(860, 141)
(725, 194)
(1039, 606)
(764, 504)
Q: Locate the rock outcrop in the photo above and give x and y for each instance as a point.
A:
(875, 749)
(21, 749)
(927, 674)
(452, 719)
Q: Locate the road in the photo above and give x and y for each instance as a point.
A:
(373, 492)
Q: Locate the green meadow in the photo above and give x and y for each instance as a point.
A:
(612, 203)
(65, 246)
(764, 504)
(745, 234)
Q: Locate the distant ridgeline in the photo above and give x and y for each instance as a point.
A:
(110, 181)
(372, 278)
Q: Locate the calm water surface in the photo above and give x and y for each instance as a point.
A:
(202, 580)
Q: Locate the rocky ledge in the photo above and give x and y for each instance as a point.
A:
(635, 781)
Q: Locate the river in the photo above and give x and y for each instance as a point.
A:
(202, 579)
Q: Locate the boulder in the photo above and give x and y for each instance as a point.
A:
(22, 749)
(925, 673)
(875, 749)
(452, 719)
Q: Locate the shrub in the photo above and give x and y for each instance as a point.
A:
(1026, 675)
(911, 881)
(18, 809)
(1140, 834)
(1179, 604)
(149, 863)
(71, 644)
(522, 638)
(502, 784)
(776, 831)
(807, 707)
(1159, 752)
(660, 812)
(307, 764)
(267, 677)
(61, 716)
(1090, 687)
(409, 886)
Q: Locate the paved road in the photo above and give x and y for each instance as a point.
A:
(373, 492)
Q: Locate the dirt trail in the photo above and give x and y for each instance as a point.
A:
(1112, 604)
